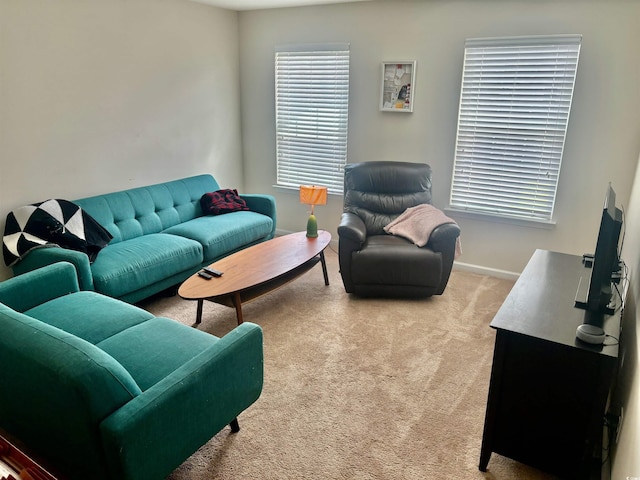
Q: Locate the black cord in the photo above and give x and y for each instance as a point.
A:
(607, 448)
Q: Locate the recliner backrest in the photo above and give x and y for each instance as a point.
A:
(380, 191)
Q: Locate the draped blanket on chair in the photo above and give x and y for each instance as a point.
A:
(417, 223)
(53, 222)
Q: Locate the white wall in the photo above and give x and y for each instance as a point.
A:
(602, 143)
(626, 460)
(106, 95)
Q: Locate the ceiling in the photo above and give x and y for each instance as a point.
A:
(259, 4)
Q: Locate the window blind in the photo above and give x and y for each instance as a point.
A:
(312, 105)
(514, 110)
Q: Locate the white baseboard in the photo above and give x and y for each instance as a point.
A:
(492, 272)
(280, 232)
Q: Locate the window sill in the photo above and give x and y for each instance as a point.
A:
(487, 217)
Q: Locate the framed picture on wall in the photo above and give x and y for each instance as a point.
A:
(397, 88)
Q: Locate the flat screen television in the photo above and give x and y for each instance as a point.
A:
(605, 263)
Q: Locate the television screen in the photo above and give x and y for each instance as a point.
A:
(605, 260)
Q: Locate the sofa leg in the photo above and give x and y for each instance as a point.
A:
(235, 426)
(170, 292)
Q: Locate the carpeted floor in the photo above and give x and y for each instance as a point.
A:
(360, 388)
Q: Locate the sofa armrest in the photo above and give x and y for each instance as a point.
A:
(39, 286)
(182, 412)
(41, 257)
(262, 203)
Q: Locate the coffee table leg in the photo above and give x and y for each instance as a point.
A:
(237, 302)
(324, 268)
(199, 312)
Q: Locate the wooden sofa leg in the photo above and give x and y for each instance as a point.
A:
(235, 426)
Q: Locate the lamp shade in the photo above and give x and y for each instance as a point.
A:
(313, 195)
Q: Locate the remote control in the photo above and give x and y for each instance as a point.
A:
(213, 271)
(205, 275)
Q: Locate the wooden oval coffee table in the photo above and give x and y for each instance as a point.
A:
(257, 270)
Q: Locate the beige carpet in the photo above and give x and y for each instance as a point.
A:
(360, 388)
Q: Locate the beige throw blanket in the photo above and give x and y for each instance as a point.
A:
(417, 223)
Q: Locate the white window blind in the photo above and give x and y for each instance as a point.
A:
(514, 109)
(312, 106)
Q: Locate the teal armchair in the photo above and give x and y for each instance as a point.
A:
(102, 389)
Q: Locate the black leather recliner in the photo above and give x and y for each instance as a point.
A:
(374, 263)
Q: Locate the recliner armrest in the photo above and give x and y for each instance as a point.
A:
(352, 228)
(443, 237)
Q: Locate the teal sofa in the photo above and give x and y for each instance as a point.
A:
(102, 389)
(160, 237)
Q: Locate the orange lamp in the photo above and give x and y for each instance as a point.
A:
(313, 195)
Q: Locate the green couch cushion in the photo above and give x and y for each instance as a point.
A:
(89, 315)
(131, 265)
(152, 350)
(223, 234)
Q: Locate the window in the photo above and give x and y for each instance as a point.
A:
(514, 109)
(312, 106)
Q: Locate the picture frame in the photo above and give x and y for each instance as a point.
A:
(397, 86)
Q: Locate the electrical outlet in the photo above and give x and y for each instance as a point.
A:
(618, 430)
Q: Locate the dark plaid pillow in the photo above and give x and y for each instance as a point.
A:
(222, 201)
